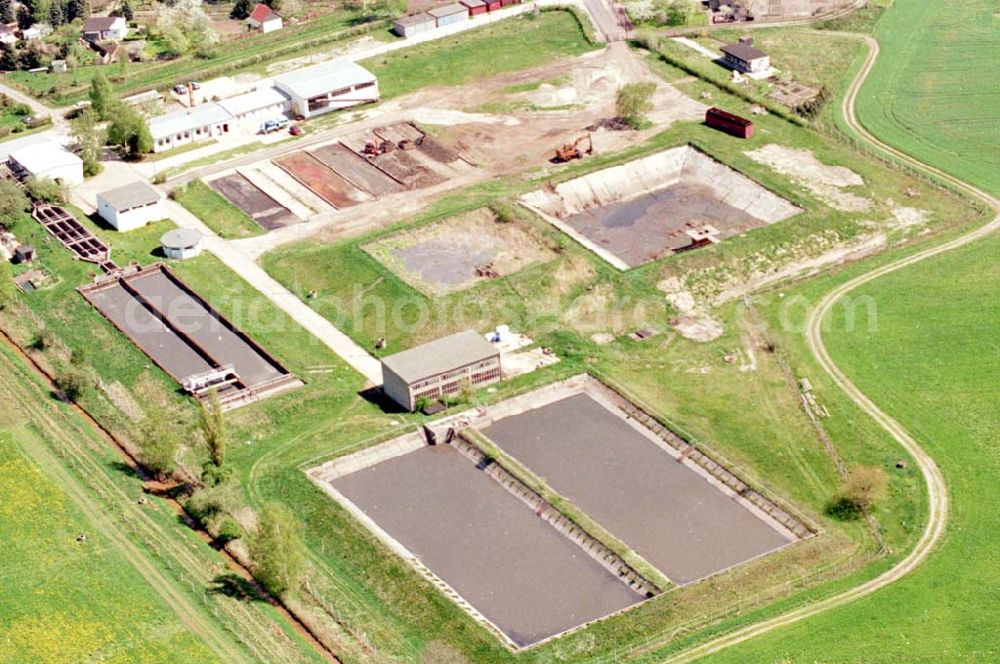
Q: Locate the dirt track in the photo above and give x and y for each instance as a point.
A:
(937, 493)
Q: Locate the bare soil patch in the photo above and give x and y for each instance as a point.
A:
(357, 170)
(321, 180)
(826, 182)
(459, 252)
(260, 207)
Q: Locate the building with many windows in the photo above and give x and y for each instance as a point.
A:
(189, 125)
(441, 367)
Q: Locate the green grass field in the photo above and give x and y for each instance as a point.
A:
(510, 45)
(70, 601)
(932, 92)
(372, 606)
(218, 214)
(932, 363)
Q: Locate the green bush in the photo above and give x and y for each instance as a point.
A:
(228, 531)
(73, 384)
(861, 490)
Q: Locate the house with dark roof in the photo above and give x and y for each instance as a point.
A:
(742, 56)
(264, 18)
(105, 28)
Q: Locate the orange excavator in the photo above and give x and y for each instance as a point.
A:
(572, 151)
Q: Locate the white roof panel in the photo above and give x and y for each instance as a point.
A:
(7, 147)
(325, 77)
(253, 101)
(44, 157)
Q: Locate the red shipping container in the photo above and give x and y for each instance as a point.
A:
(475, 7)
(729, 123)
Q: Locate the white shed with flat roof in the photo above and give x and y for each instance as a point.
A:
(441, 367)
(130, 206)
(414, 24)
(328, 86)
(449, 14)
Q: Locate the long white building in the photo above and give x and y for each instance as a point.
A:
(328, 86)
(189, 125)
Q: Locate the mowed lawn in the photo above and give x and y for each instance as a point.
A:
(218, 214)
(65, 601)
(505, 46)
(933, 91)
(934, 364)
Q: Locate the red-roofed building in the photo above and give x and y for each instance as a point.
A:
(264, 18)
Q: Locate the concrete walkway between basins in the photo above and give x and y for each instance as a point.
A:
(318, 326)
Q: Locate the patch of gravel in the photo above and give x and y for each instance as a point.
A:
(693, 321)
(908, 217)
(824, 181)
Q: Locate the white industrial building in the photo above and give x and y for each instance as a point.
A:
(189, 125)
(252, 108)
(43, 158)
(130, 206)
(328, 86)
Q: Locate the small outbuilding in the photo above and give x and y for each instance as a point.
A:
(264, 18)
(130, 206)
(7, 35)
(328, 86)
(442, 367)
(493, 5)
(25, 254)
(414, 24)
(182, 243)
(475, 7)
(449, 14)
(742, 56)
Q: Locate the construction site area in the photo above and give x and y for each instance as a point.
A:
(357, 168)
(467, 518)
(644, 210)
